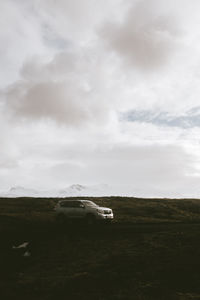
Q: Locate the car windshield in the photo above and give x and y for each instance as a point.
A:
(90, 203)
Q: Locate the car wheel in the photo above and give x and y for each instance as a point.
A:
(61, 218)
(108, 222)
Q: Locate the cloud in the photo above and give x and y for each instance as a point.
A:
(144, 166)
(50, 100)
(63, 88)
(20, 38)
(72, 20)
(60, 90)
(146, 37)
(9, 151)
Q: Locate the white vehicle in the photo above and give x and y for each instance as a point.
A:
(82, 209)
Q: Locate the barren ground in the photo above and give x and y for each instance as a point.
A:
(151, 251)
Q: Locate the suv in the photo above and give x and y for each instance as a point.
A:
(82, 209)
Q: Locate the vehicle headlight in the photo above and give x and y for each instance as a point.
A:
(100, 211)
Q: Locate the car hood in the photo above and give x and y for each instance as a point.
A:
(104, 208)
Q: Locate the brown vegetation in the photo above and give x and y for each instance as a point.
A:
(151, 251)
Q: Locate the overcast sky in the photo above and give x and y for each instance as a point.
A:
(96, 92)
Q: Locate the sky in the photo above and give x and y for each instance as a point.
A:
(100, 92)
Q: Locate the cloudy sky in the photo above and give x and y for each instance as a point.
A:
(95, 92)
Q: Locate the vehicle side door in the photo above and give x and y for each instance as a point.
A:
(67, 208)
(79, 209)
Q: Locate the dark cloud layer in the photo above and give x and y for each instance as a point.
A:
(146, 36)
(48, 100)
(59, 90)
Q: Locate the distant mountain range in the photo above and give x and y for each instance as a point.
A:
(70, 191)
(97, 190)
(101, 190)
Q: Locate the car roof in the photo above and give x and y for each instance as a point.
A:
(70, 200)
(74, 200)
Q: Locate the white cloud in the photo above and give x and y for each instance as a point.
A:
(60, 90)
(146, 37)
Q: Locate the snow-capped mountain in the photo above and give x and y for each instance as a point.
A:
(19, 191)
(101, 190)
(70, 191)
(75, 188)
(83, 190)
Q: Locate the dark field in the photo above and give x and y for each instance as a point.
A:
(151, 251)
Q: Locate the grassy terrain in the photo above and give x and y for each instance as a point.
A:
(151, 251)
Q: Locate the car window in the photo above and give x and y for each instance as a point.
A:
(71, 204)
(77, 204)
(66, 204)
(90, 204)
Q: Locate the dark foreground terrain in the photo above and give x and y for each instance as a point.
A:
(151, 251)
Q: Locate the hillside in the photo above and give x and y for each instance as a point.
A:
(151, 251)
